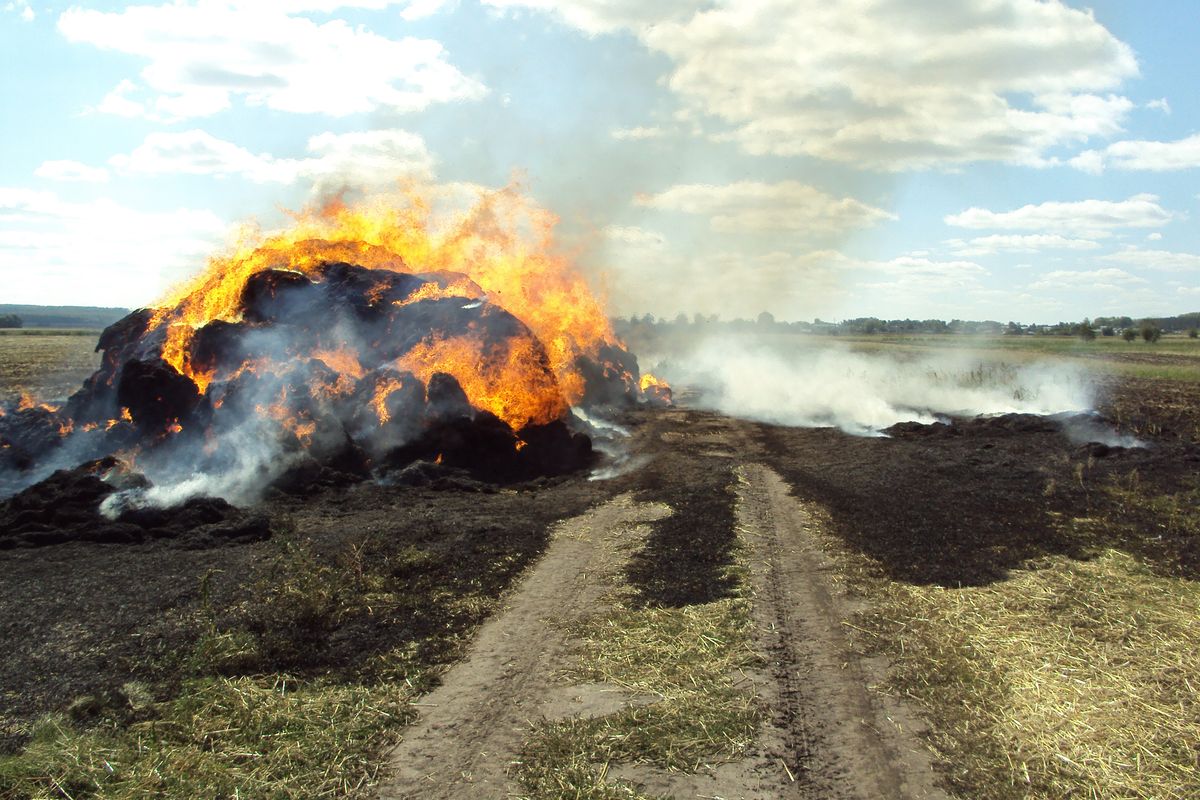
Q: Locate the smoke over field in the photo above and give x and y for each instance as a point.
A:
(820, 383)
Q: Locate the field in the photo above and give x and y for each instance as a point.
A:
(986, 609)
(47, 363)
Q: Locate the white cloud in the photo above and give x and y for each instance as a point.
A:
(1154, 237)
(98, 252)
(202, 54)
(910, 273)
(633, 236)
(604, 16)
(362, 158)
(118, 103)
(22, 9)
(1160, 104)
(71, 171)
(639, 133)
(1094, 218)
(413, 9)
(750, 206)
(1089, 161)
(1019, 243)
(882, 84)
(1143, 155)
(1163, 260)
(1108, 279)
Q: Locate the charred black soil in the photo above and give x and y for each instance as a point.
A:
(964, 504)
(351, 574)
(685, 558)
(79, 621)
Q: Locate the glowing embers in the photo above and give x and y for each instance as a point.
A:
(654, 390)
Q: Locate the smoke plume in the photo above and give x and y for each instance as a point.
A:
(819, 385)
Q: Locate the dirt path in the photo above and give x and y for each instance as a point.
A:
(826, 735)
(836, 739)
(473, 725)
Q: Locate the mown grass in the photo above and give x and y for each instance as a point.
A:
(49, 364)
(690, 660)
(1175, 358)
(266, 736)
(1072, 678)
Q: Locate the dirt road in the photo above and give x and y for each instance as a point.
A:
(825, 734)
(473, 725)
(837, 739)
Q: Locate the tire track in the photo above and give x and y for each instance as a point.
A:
(473, 725)
(832, 736)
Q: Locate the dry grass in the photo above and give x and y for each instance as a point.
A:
(47, 364)
(1071, 679)
(691, 658)
(238, 722)
(241, 737)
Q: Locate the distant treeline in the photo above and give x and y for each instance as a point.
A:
(60, 316)
(766, 322)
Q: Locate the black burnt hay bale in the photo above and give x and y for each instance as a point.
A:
(276, 295)
(156, 394)
(66, 507)
(27, 435)
(219, 345)
(609, 380)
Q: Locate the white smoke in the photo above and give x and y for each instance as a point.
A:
(830, 385)
(255, 457)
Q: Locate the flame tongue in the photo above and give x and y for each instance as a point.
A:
(500, 249)
(363, 336)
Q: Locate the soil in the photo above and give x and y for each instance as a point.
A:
(472, 726)
(953, 505)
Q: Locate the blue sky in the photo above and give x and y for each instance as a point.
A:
(1008, 159)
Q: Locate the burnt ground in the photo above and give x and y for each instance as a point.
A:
(81, 620)
(964, 504)
(953, 505)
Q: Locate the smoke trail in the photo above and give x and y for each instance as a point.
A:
(862, 392)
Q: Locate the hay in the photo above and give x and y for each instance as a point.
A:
(1072, 679)
(275, 737)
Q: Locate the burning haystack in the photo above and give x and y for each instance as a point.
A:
(359, 342)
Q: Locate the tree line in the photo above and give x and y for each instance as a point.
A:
(1150, 329)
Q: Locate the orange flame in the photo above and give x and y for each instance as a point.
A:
(501, 379)
(654, 389)
(503, 245)
(649, 381)
(28, 401)
(379, 400)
